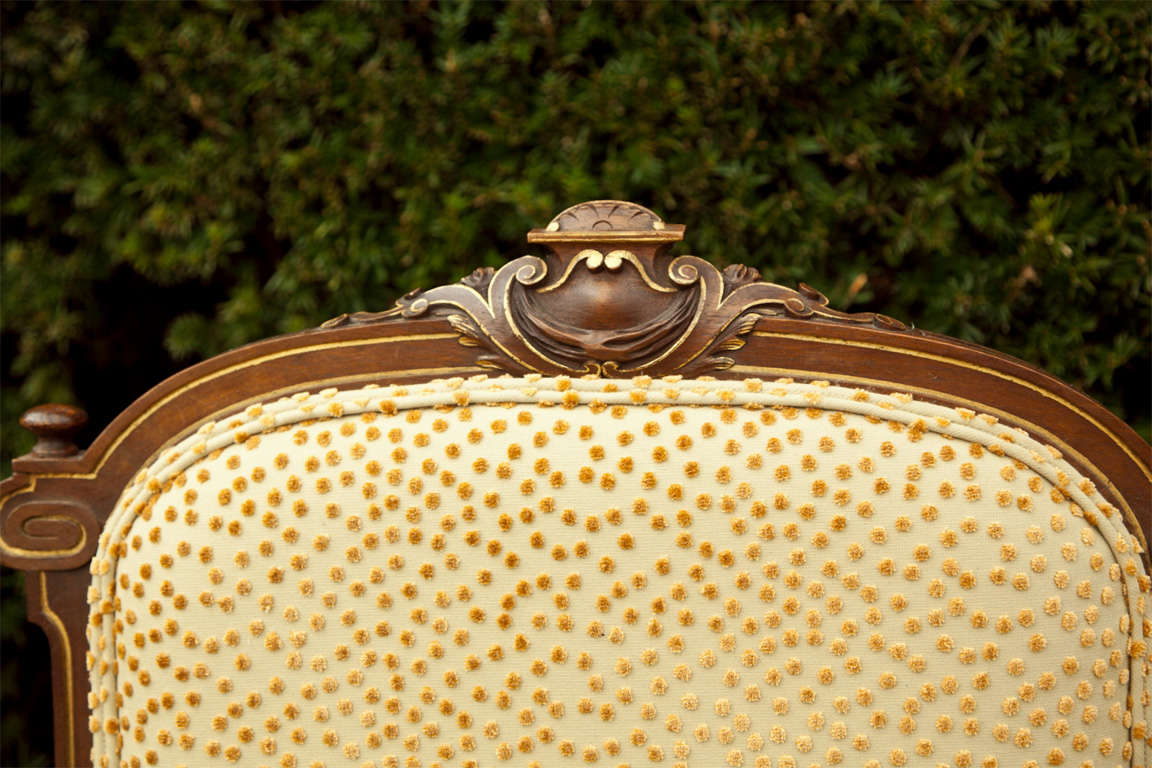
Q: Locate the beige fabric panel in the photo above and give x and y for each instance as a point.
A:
(551, 572)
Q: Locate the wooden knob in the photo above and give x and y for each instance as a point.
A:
(55, 426)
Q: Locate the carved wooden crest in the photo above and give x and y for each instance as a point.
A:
(608, 299)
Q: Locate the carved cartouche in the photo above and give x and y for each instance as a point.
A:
(608, 299)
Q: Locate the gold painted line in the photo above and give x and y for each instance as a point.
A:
(983, 369)
(1036, 429)
(506, 305)
(983, 408)
(242, 403)
(519, 336)
(271, 394)
(248, 364)
(8, 549)
(68, 692)
(627, 256)
(582, 256)
(26, 489)
(625, 236)
(1125, 508)
(700, 308)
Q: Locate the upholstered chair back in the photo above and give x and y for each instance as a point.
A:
(624, 546)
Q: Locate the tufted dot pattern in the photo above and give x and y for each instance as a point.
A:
(541, 572)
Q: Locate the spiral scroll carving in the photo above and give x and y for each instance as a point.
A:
(50, 534)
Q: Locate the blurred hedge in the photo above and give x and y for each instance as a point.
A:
(178, 179)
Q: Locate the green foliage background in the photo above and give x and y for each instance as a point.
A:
(179, 179)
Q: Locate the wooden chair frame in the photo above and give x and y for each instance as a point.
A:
(608, 300)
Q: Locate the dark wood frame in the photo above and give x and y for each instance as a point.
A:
(579, 311)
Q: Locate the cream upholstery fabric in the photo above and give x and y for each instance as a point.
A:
(550, 572)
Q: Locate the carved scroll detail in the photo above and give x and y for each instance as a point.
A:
(49, 534)
(609, 301)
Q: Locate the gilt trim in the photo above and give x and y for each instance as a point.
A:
(591, 308)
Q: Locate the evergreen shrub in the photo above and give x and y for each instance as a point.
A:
(179, 179)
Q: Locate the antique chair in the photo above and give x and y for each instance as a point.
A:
(609, 507)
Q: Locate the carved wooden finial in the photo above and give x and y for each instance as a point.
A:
(55, 426)
(609, 299)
